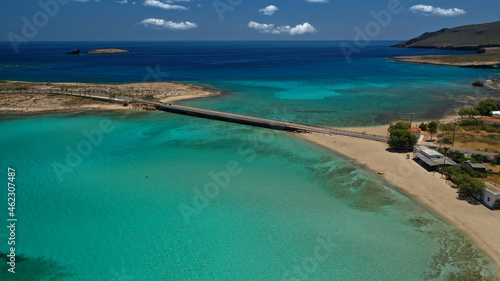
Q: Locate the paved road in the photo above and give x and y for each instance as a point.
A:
(217, 115)
(488, 154)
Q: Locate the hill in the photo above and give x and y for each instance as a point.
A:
(468, 37)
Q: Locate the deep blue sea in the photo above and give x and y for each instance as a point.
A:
(312, 81)
(157, 196)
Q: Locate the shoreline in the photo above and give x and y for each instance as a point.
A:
(405, 175)
(427, 189)
(438, 60)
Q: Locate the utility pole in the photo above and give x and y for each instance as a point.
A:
(454, 129)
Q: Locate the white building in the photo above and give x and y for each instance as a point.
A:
(495, 114)
(416, 131)
(432, 158)
(431, 153)
(490, 196)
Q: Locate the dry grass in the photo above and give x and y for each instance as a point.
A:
(478, 144)
(472, 139)
(75, 101)
(494, 179)
(495, 169)
(29, 102)
(462, 59)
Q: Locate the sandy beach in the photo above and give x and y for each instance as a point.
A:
(429, 189)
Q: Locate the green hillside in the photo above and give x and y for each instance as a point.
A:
(469, 37)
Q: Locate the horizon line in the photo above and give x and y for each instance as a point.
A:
(215, 40)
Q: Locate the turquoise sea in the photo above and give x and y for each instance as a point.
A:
(156, 196)
(312, 81)
(132, 207)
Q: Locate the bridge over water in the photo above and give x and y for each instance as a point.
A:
(216, 115)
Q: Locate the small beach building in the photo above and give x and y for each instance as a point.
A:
(490, 120)
(431, 153)
(432, 159)
(416, 131)
(477, 166)
(491, 196)
(495, 114)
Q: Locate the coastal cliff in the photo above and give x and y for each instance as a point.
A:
(468, 37)
(483, 38)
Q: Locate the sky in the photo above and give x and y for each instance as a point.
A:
(164, 20)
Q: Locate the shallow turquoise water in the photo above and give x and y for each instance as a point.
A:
(311, 80)
(129, 206)
(367, 92)
(131, 209)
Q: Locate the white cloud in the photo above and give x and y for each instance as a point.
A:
(260, 26)
(317, 1)
(83, 1)
(430, 10)
(269, 10)
(164, 5)
(122, 2)
(163, 24)
(302, 29)
(272, 29)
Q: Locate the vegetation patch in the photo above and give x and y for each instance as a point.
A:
(149, 97)
(400, 138)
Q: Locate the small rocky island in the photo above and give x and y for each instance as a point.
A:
(107, 52)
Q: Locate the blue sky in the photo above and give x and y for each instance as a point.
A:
(130, 20)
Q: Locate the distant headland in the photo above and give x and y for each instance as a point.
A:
(483, 38)
(468, 37)
(107, 52)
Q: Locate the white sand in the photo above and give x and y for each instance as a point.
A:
(476, 221)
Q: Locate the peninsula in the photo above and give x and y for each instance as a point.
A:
(107, 52)
(32, 97)
(483, 38)
(469, 37)
(488, 58)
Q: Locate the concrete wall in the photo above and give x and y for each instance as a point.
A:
(417, 134)
(492, 198)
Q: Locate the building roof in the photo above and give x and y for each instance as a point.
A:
(426, 160)
(488, 119)
(436, 161)
(492, 187)
(495, 112)
(477, 165)
(415, 129)
(431, 152)
(449, 162)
